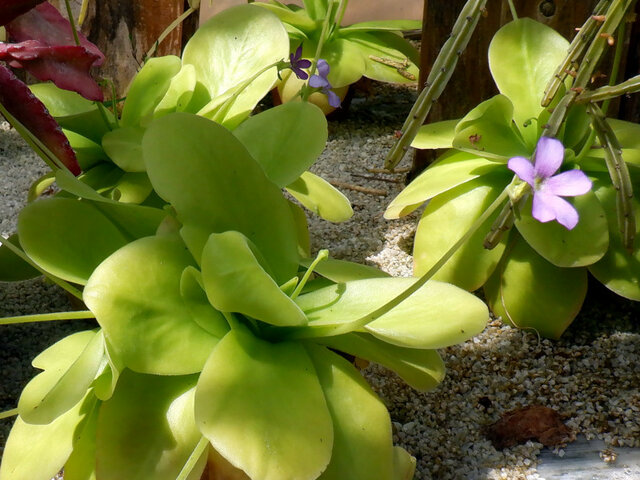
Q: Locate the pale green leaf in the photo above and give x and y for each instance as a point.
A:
(322, 198)
(452, 169)
(124, 148)
(265, 411)
(147, 89)
(147, 430)
(436, 135)
(214, 185)
(583, 245)
(180, 92)
(446, 219)
(362, 445)
(135, 295)
(69, 367)
(531, 293)
(236, 281)
(285, 140)
(523, 56)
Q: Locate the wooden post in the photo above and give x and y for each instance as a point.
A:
(126, 30)
(472, 83)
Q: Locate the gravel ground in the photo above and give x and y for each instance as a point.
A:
(590, 376)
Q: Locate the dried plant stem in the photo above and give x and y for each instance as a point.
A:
(606, 93)
(358, 188)
(440, 74)
(619, 173)
(576, 48)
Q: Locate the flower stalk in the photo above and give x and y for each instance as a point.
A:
(47, 317)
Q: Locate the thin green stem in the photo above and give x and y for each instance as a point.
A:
(306, 332)
(47, 317)
(193, 459)
(166, 33)
(306, 90)
(322, 255)
(72, 22)
(512, 7)
(58, 281)
(631, 85)
(8, 413)
(340, 15)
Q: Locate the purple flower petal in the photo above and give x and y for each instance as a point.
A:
(523, 168)
(551, 207)
(297, 55)
(549, 156)
(301, 74)
(334, 100)
(316, 81)
(303, 63)
(568, 184)
(323, 69)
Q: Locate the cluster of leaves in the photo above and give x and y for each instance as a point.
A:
(536, 275)
(373, 49)
(218, 336)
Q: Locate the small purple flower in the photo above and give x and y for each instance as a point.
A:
(321, 81)
(547, 188)
(298, 63)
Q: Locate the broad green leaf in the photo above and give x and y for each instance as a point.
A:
(38, 452)
(452, 169)
(69, 367)
(265, 411)
(105, 384)
(41, 185)
(285, 140)
(435, 316)
(236, 281)
(317, 9)
(447, 218)
(147, 430)
(582, 246)
(196, 301)
(523, 56)
(136, 221)
(124, 147)
(436, 135)
(628, 135)
(230, 49)
(90, 184)
(576, 127)
(135, 295)
(404, 464)
(12, 267)
(341, 271)
(132, 188)
(346, 62)
(378, 49)
(88, 152)
(214, 185)
(72, 111)
(298, 19)
(383, 26)
(67, 238)
(322, 198)
(147, 89)
(81, 464)
(362, 442)
(618, 270)
(180, 92)
(302, 229)
(488, 130)
(529, 292)
(421, 369)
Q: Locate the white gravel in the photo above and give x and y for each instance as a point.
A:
(590, 375)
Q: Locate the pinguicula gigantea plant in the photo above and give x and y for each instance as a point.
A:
(543, 120)
(209, 80)
(216, 343)
(374, 49)
(214, 337)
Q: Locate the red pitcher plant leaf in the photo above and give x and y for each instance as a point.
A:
(16, 97)
(11, 9)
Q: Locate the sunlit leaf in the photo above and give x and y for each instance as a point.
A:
(322, 198)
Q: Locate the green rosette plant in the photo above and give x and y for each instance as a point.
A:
(374, 49)
(227, 67)
(535, 274)
(217, 340)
